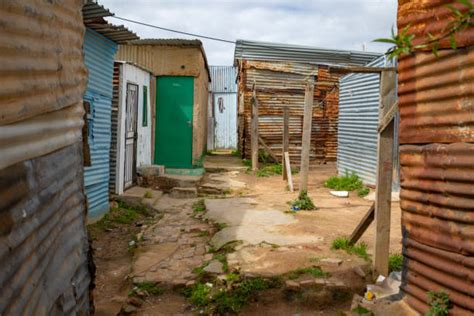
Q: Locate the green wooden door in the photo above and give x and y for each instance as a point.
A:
(174, 121)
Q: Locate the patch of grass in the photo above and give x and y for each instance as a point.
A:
(247, 162)
(303, 202)
(147, 195)
(439, 303)
(395, 262)
(122, 214)
(314, 259)
(269, 170)
(347, 182)
(203, 234)
(236, 153)
(148, 288)
(199, 294)
(199, 206)
(360, 310)
(359, 249)
(315, 272)
(363, 192)
(220, 226)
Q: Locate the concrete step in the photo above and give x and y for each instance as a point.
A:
(184, 193)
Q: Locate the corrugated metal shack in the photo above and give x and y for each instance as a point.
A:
(131, 124)
(359, 96)
(100, 44)
(173, 61)
(436, 102)
(279, 72)
(43, 244)
(223, 107)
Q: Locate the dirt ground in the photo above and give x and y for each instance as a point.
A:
(173, 223)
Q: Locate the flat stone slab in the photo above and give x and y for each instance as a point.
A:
(245, 222)
(183, 193)
(214, 267)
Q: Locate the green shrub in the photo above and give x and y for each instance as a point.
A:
(363, 191)
(395, 262)
(359, 249)
(439, 303)
(303, 202)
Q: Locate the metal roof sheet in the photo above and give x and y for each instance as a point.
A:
(93, 16)
(253, 50)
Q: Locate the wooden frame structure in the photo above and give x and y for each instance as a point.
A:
(380, 210)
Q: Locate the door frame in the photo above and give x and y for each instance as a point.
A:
(135, 136)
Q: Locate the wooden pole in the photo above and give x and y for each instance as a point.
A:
(306, 141)
(254, 130)
(384, 176)
(288, 171)
(286, 138)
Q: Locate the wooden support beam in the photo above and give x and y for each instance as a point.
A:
(268, 149)
(306, 141)
(288, 171)
(384, 175)
(358, 69)
(286, 138)
(389, 116)
(363, 225)
(254, 131)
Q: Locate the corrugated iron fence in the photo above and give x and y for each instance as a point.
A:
(436, 101)
(43, 243)
(282, 84)
(357, 127)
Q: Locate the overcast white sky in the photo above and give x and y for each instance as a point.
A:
(340, 24)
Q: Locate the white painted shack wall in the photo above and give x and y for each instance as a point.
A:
(133, 74)
(225, 113)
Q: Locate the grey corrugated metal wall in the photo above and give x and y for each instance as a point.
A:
(358, 121)
(223, 88)
(43, 241)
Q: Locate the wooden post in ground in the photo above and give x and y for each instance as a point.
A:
(384, 175)
(288, 171)
(254, 130)
(286, 138)
(306, 141)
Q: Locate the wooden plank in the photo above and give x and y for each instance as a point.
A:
(363, 225)
(254, 131)
(268, 149)
(384, 176)
(288, 171)
(286, 138)
(388, 117)
(359, 69)
(306, 141)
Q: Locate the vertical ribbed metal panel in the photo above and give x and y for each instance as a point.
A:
(358, 121)
(225, 111)
(114, 128)
(99, 58)
(223, 79)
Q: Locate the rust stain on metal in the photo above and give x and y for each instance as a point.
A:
(432, 17)
(436, 97)
(282, 84)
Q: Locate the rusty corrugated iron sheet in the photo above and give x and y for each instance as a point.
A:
(432, 17)
(436, 135)
(282, 84)
(43, 244)
(436, 97)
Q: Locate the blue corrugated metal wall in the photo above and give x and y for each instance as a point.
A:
(99, 55)
(357, 126)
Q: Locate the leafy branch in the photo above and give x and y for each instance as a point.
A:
(403, 41)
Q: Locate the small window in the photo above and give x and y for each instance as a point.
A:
(145, 107)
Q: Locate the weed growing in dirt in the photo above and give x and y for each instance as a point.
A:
(314, 259)
(199, 206)
(269, 170)
(315, 272)
(360, 310)
(236, 153)
(220, 226)
(122, 214)
(395, 262)
(147, 195)
(203, 234)
(247, 163)
(303, 202)
(147, 288)
(359, 249)
(226, 299)
(439, 303)
(348, 182)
